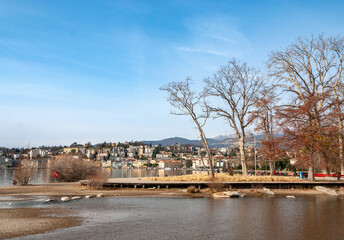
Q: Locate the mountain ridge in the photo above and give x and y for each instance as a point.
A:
(213, 142)
(218, 141)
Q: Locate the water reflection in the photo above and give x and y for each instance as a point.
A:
(6, 176)
(44, 175)
(137, 173)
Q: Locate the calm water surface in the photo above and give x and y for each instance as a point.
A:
(316, 217)
(43, 175)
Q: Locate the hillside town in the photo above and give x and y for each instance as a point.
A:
(130, 155)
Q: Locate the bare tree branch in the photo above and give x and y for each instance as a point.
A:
(188, 103)
(236, 85)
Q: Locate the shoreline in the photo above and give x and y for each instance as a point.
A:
(30, 220)
(75, 189)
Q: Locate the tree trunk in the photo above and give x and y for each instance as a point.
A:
(207, 149)
(340, 141)
(206, 146)
(243, 156)
(272, 167)
(311, 174)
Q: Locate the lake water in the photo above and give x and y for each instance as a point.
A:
(42, 175)
(315, 217)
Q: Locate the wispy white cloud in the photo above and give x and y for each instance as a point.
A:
(218, 36)
(187, 49)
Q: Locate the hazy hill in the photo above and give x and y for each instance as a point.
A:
(172, 141)
(183, 141)
(219, 141)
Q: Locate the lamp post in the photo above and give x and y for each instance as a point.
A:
(255, 158)
(255, 162)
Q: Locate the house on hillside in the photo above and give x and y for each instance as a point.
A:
(73, 150)
(140, 163)
(163, 164)
(163, 155)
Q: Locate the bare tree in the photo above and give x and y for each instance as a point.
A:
(307, 69)
(266, 124)
(236, 85)
(189, 104)
(24, 173)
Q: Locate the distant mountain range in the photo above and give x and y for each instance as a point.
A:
(174, 140)
(219, 141)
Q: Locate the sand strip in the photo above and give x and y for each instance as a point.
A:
(17, 222)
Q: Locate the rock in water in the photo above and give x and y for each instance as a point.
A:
(291, 196)
(228, 194)
(220, 195)
(89, 196)
(100, 195)
(65, 199)
(234, 194)
(76, 198)
(268, 191)
(326, 190)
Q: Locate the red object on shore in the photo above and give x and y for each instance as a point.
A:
(326, 175)
(56, 174)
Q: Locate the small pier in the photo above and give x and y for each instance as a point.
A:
(114, 183)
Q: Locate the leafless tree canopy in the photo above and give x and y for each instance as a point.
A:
(186, 101)
(236, 85)
(72, 170)
(310, 69)
(24, 174)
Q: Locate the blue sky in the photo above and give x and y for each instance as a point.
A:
(91, 70)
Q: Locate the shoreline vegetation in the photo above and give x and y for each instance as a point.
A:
(223, 177)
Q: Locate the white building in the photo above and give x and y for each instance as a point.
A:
(34, 153)
(163, 164)
(90, 153)
(161, 156)
(198, 163)
(118, 152)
